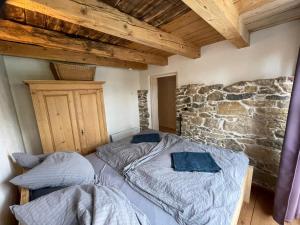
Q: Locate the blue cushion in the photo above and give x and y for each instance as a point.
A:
(139, 138)
(194, 161)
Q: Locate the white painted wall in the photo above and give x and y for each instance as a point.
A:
(20, 69)
(120, 96)
(10, 141)
(272, 53)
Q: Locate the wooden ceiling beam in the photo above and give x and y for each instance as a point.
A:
(100, 17)
(257, 6)
(47, 53)
(223, 16)
(254, 24)
(270, 14)
(246, 5)
(15, 32)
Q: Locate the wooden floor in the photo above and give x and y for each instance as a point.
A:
(259, 210)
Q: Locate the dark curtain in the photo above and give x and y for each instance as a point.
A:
(1, 8)
(287, 196)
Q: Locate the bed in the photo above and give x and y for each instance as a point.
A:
(155, 214)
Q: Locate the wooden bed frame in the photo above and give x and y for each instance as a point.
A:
(244, 196)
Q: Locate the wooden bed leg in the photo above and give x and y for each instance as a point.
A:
(248, 184)
(24, 196)
(24, 193)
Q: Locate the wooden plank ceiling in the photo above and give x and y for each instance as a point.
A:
(139, 32)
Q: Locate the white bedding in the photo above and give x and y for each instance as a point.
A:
(108, 176)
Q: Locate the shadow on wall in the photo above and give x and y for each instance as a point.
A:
(9, 195)
(10, 141)
(27, 119)
(247, 116)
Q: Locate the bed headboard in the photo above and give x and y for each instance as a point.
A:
(124, 133)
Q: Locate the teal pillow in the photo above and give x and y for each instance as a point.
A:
(194, 161)
(151, 137)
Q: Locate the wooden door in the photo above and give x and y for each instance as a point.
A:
(166, 95)
(91, 119)
(56, 117)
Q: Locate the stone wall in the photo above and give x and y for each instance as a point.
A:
(247, 116)
(143, 109)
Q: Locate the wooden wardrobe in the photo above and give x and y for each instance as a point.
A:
(70, 114)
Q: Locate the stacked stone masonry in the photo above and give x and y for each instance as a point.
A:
(247, 116)
(143, 109)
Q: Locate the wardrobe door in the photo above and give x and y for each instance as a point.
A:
(56, 117)
(91, 119)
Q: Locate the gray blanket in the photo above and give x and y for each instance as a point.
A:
(193, 198)
(121, 153)
(82, 205)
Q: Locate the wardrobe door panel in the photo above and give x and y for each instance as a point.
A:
(60, 120)
(42, 121)
(91, 119)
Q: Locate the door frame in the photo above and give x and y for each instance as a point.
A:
(154, 97)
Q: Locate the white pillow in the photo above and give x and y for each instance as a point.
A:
(58, 169)
(27, 160)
